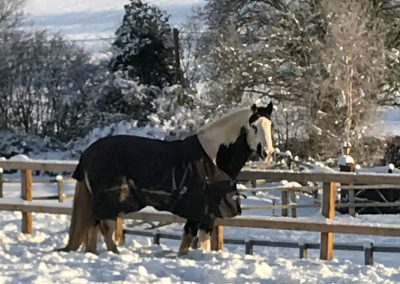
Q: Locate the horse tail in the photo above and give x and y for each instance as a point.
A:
(83, 224)
(78, 173)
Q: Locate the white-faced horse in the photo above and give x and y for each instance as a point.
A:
(193, 178)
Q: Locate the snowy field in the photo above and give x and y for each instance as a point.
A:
(31, 259)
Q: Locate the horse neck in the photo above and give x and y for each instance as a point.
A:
(232, 158)
(225, 141)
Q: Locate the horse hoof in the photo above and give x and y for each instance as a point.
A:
(65, 249)
(183, 252)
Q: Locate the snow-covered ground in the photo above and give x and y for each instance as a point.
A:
(31, 259)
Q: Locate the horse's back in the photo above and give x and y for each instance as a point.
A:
(125, 142)
(114, 150)
(122, 155)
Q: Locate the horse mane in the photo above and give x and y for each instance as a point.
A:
(243, 112)
(223, 131)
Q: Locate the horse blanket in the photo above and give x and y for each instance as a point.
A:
(127, 173)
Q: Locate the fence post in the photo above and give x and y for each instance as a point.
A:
(119, 235)
(1, 182)
(248, 247)
(369, 254)
(156, 238)
(347, 164)
(328, 211)
(352, 208)
(26, 194)
(284, 203)
(303, 252)
(217, 238)
(293, 210)
(60, 188)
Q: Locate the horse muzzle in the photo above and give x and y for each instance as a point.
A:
(266, 154)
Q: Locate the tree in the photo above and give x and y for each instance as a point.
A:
(10, 14)
(350, 68)
(260, 49)
(43, 78)
(126, 98)
(290, 52)
(143, 45)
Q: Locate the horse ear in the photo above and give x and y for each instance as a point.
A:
(270, 108)
(254, 108)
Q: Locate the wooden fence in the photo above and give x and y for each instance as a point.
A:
(326, 226)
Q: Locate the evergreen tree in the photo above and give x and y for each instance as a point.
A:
(143, 45)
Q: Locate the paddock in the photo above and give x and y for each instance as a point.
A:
(326, 226)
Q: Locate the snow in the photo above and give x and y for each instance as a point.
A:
(32, 259)
(345, 160)
(119, 128)
(20, 157)
(378, 169)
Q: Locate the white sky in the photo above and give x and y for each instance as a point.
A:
(48, 7)
(88, 20)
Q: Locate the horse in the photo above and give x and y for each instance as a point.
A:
(194, 178)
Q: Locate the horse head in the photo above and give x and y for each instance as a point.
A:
(259, 137)
(230, 140)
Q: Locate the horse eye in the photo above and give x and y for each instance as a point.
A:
(254, 127)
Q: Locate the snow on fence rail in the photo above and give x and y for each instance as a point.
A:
(327, 226)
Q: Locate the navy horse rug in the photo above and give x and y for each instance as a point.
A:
(175, 176)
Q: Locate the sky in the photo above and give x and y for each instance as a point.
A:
(93, 22)
(46, 7)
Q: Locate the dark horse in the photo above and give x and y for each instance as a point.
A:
(193, 178)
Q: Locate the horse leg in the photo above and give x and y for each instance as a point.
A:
(90, 240)
(188, 235)
(82, 219)
(206, 227)
(107, 228)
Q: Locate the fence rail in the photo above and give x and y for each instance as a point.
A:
(39, 165)
(342, 177)
(281, 223)
(326, 226)
(249, 244)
